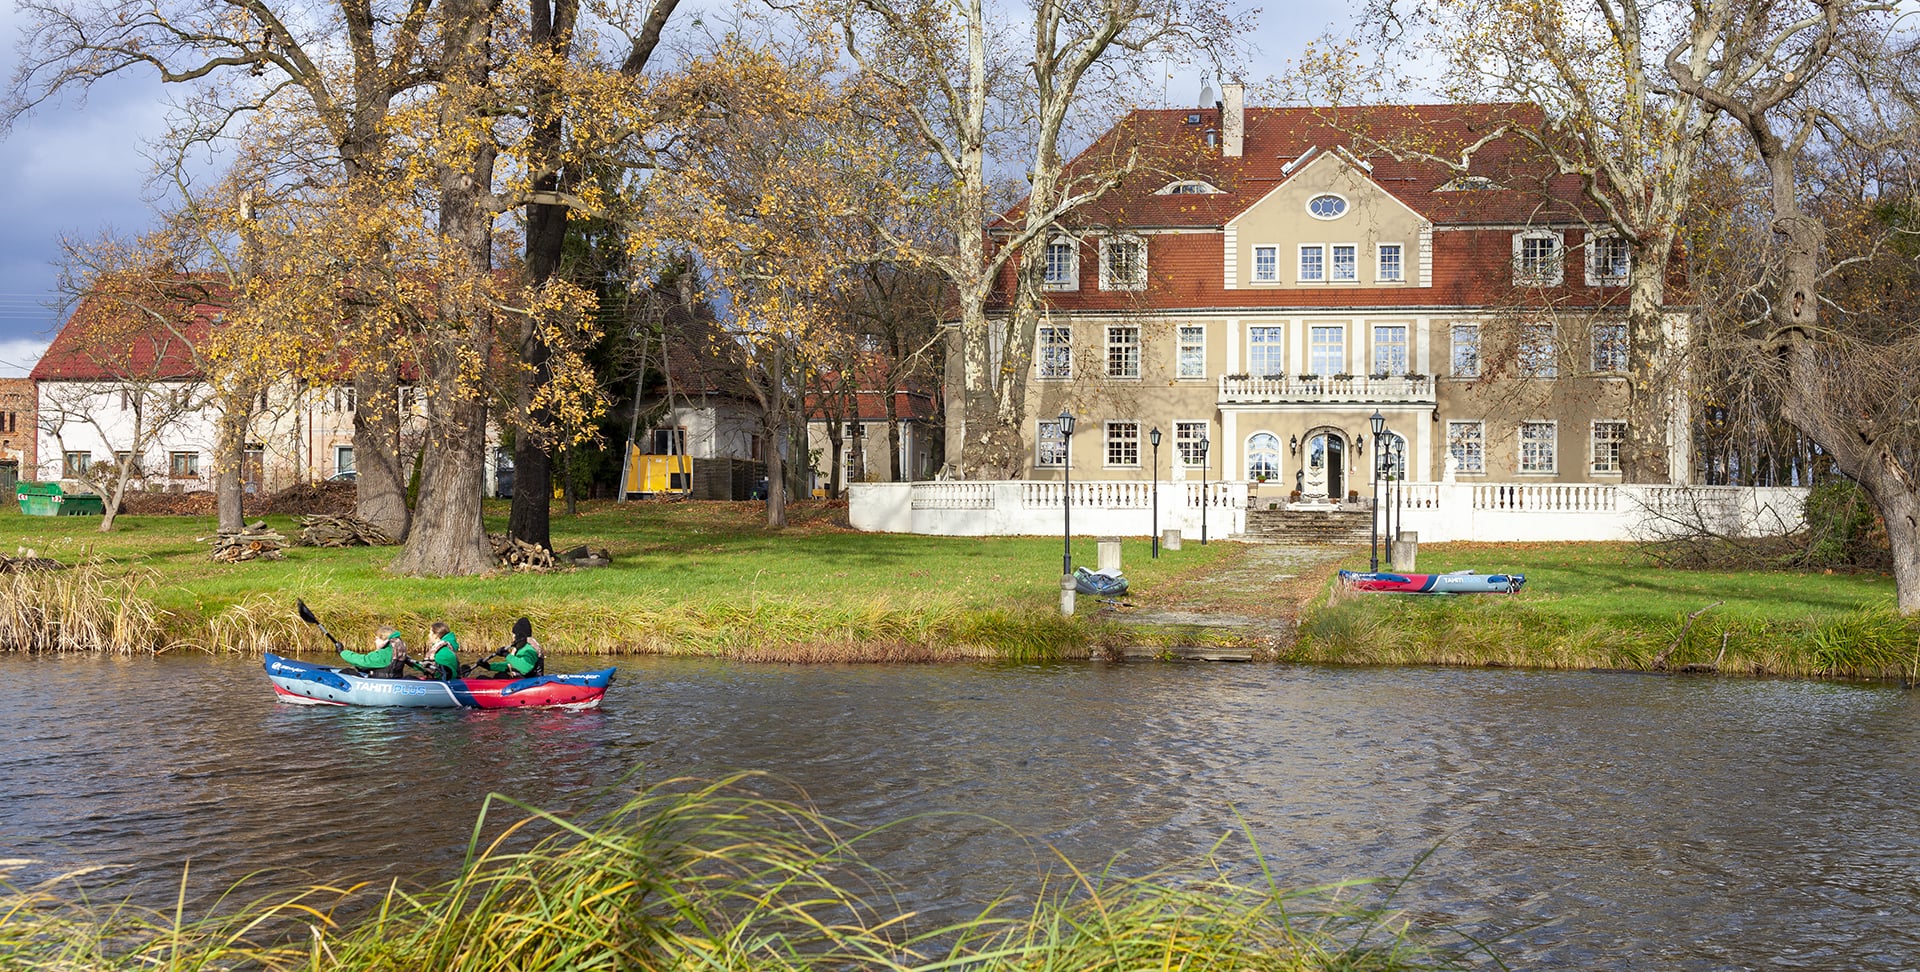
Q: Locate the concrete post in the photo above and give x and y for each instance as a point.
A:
(1066, 594)
(1170, 538)
(1405, 549)
(1109, 548)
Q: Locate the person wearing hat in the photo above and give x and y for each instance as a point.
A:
(522, 659)
(388, 659)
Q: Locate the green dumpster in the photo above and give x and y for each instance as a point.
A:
(50, 499)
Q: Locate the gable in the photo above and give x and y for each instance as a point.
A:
(1369, 215)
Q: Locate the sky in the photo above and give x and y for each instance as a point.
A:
(79, 168)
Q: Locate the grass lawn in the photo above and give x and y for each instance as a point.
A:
(702, 578)
(1595, 605)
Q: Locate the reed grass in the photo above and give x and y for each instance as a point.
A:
(712, 875)
(86, 609)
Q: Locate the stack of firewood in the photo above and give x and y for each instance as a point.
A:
(256, 542)
(323, 530)
(26, 562)
(519, 554)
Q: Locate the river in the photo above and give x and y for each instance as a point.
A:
(1591, 821)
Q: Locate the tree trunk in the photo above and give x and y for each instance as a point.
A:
(229, 455)
(1653, 382)
(448, 537)
(379, 482)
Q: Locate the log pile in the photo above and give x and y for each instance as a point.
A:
(521, 555)
(587, 557)
(27, 563)
(324, 530)
(256, 542)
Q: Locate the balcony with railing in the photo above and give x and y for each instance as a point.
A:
(1409, 389)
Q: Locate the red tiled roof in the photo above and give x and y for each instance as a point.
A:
(871, 406)
(105, 341)
(1531, 191)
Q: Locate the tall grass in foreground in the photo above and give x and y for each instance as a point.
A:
(82, 609)
(714, 876)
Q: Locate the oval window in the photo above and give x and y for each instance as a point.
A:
(1326, 206)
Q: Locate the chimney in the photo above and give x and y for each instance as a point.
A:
(1233, 118)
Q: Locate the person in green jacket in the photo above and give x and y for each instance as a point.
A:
(388, 659)
(443, 661)
(523, 658)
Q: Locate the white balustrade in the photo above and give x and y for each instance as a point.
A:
(1326, 388)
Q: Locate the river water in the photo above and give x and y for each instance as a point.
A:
(1590, 821)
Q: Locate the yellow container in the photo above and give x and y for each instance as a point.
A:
(652, 475)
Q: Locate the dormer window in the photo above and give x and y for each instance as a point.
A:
(1327, 206)
(1189, 187)
(1063, 264)
(1123, 263)
(1469, 184)
(1536, 258)
(1609, 258)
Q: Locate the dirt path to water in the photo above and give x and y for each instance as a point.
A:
(1246, 607)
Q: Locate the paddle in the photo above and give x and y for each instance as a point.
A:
(306, 614)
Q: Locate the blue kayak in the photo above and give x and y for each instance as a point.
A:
(305, 683)
(1457, 582)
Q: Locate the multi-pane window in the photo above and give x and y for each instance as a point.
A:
(183, 465)
(1536, 356)
(121, 457)
(1062, 268)
(1609, 347)
(1607, 438)
(1536, 258)
(1466, 443)
(1390, 349)
(1123, 443)
(1391, 267)
(1266, 264)
(1123, 351)
(1123, 263)
(1055, 351)
(1346, 262)
(343, 459)
(1192, 351)
(1608, 260)
(1187, 437)
(1466, 351)
(1263, 456)
(9, 421)
(74, 464)
(343, 398)
(1313, 262)
(1393, 456)
(1050, 447)
(1327, 350)
(1266, 351)
(1536, 447)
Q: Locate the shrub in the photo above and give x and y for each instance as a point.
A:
(1843, 529)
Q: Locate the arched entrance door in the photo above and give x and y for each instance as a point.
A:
(1323, 462)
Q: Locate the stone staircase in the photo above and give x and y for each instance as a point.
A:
(1329, 527)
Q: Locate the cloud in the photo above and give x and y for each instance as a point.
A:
(17, 357)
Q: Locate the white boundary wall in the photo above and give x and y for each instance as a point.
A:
(1437, 512)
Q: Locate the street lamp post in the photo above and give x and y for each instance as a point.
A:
(1204, 502)
(1066, 493)
(1379, 423)
(1154, 437)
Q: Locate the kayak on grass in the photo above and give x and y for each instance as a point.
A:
(305, 683)
(1456, 582)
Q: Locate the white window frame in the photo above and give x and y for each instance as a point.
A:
(343, 452)
(1272, 252)
(1072, 281)
(1053, 359)
(1278, 345)
(1550, 276)
(1405, 344)
(1320, 257)
(1525, 466)
(1251, 459)
(1182, 345)
(1049, 447)
(1453, 350)
(1352, 252)
(1313, 350)
(1346, 205)
(1531, 361)
(1596, 345)
(1595, 278)
(1139, 278)
(1618, 444)
(1128, 351)
(1478, 441)
(1187, 187)
(1380, 273)
(1186, 444)
(1120, 435)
